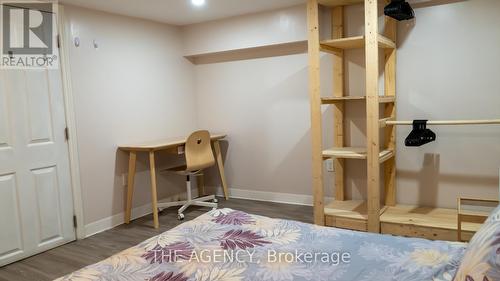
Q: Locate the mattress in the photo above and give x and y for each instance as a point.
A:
(228, 244)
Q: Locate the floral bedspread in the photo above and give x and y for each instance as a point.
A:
(231, 245)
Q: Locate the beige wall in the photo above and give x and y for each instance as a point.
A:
(447, 69)
(136, 86)
(245, 31)
(262, 103)
(449, 66)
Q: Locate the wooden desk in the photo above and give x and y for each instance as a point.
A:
(173, 145)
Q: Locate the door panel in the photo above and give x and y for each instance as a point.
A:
(10, 237)
(38, 103)
(36, 201)
(48, 207)
(4, 129)
(6, 151)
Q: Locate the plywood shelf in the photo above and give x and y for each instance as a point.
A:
(280, 49)
(349, 214)
(353, 209)
(355, 153)
(355, 42)
(425, 222)
(333, 3)
(472, 211)
(387, 99)
(421, 216)
(345, 152)
(402, 220)
(334, 100)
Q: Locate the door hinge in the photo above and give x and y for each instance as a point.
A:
(66, 133)
(75, 222)
(58, 40)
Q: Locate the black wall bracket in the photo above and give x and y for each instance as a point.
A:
(399, 10)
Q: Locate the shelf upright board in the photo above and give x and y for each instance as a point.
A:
(390, 112)
(315, 100)
(372, 115)
(338, 108)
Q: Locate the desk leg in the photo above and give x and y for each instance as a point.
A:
(154, 196)
(220, 165)
(130, 187)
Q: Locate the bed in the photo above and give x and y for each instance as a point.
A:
(228, 244)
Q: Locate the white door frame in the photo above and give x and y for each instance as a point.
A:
(71, 124)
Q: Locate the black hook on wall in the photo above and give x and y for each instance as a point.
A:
(399, 10)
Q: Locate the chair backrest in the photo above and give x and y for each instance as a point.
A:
(198, 151)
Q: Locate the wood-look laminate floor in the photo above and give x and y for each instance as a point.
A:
(70, 257)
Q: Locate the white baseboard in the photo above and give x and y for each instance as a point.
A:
(119, 219)
(276, 197)
(116, 220)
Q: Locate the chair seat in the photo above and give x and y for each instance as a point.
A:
(181, 170)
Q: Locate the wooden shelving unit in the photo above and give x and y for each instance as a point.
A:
(364, 215)
(374, 214)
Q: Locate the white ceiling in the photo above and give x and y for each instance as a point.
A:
(181, 12)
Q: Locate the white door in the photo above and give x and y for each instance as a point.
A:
(36, 203)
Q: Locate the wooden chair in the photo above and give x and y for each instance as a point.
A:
(199, 156)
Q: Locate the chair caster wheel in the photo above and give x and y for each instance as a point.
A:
(180, 217)
(216, 201)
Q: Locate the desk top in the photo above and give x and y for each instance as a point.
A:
(163, 144)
